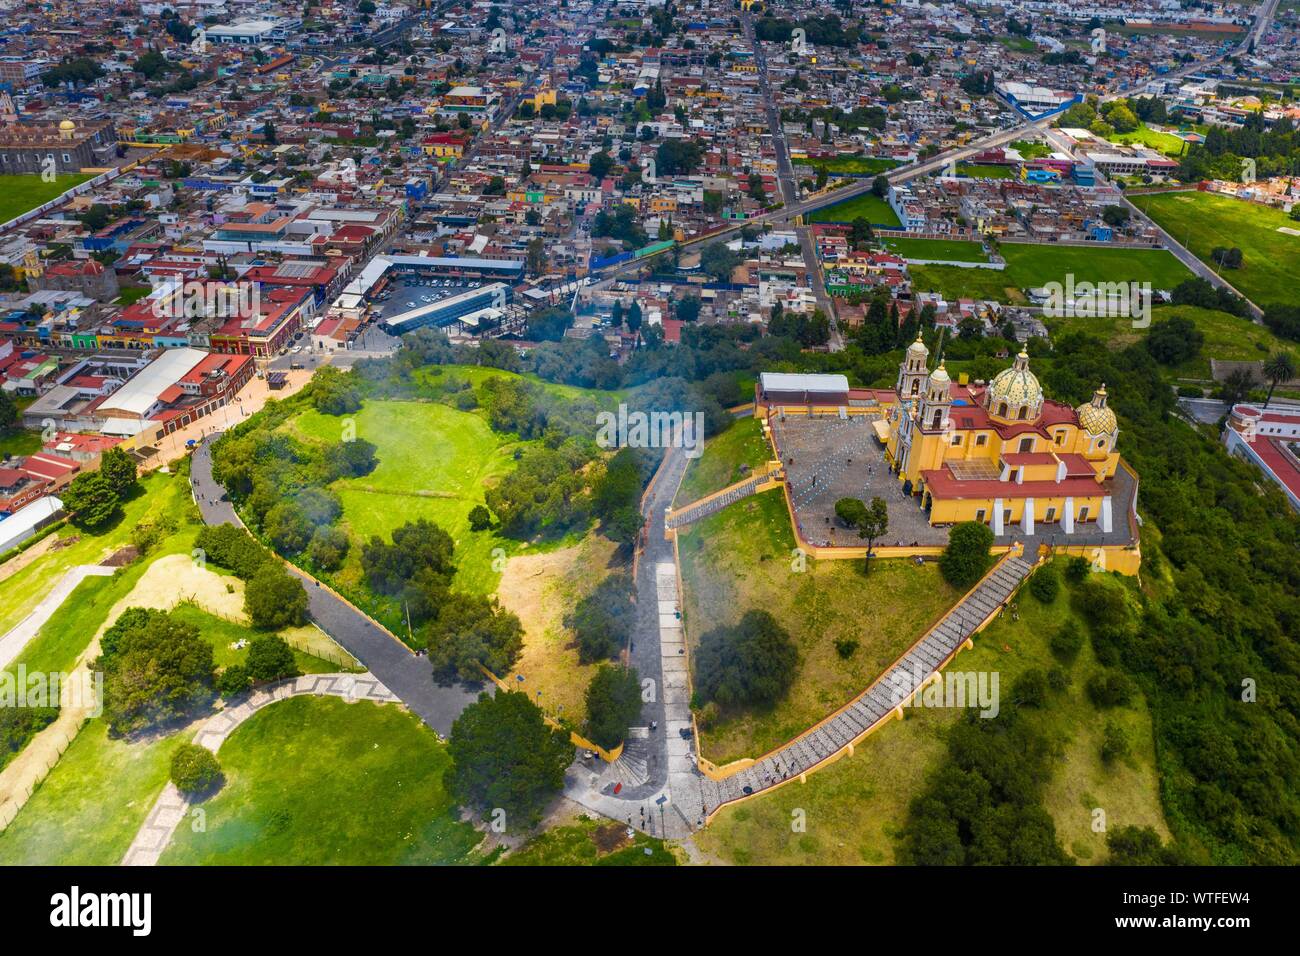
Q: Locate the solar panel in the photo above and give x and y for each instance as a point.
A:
(980, 469)
(295, 270)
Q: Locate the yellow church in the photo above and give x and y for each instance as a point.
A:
(1002, 454)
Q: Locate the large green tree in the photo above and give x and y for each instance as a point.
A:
(613, 704)
(506, 758)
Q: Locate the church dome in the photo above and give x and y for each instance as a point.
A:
(67, 124)
(1017, 386)
(940, 376)
(1095, 417)
(918, 347)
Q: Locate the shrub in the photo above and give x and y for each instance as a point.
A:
(480, 519)
(235, 679)
(275, 599)
(1067, 642)
(845, 647)
(966, 558)
(1076, 569)
(194, 769)
(155, 669)
(270, 658)
(1045, 584)
(232, 548)
(1058, 678)
(1030, 688)
(750, 664)
(1109, 688)
(1114, 743)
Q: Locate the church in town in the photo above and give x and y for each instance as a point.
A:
(1001, 453)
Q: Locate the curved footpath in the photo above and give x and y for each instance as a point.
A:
(171, 806)
(393, 663)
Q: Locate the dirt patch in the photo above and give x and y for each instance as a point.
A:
(176, 578)
(611, 837)
(67, 542)
(540, 588)
(121, 557)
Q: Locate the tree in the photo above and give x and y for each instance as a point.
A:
(194, 769)
(8, 412)
(268, 133)
(1067, 641)
(1279, 368)
(118, 468)
(155, 668)
(415, 545)
(480, 519)
(473, 633)
(613, 704)
(275, 599)
(505, 757)
(750, 664)
(1114, 743)
(91, 500)
(966, 557)
(602, 621)
(328, 547)
(880, 187)
(1139, 846)
(1045, 584)
(874, 522)
(270, 658)
(1109, 688)
(232, 548)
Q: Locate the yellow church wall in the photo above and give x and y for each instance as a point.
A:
(955, 510)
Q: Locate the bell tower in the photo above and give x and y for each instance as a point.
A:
(912, 371)
(938, 400)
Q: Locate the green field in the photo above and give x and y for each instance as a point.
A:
(740, 559)
(19, 441)
(313, 781)
(1227, 337)
(1202, 221)
(855, 808)
(434, 463)
(18, 194)
(723, 460)
(1167, 143)
(1034, 265)
(985, 171)
(850, 165)
(867, 206)
(1031, 149)
(951, 250)
(89, 808)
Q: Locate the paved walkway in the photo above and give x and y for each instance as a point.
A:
(392, 662)
(879, 702)
(12, 644)
(172, 806)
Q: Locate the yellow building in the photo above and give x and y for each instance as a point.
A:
(1003, 454)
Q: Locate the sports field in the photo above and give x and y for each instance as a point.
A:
(18, 194)
(867, 206)
(985, 171)
(850, 165)
(1032, 266)
(1202, 221)
(1167, 143)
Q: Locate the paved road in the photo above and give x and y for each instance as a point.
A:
(392, 662)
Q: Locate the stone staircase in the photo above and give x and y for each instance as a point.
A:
(632, 768)
(883, 697)
(706, 506)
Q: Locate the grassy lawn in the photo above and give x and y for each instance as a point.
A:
(434, 463)
(19, 441)
(850, 165)
(1167, 143)
(952, 250)
(591, 842)
(132, 294)
(739, 559)
(160, 494)
(1227, 337)
(89, 808)
(868, 206)
(313, 781)
(221, 634)
(1033, 265)
(1031, 149)
(855, 808)
(1202, 221)
(724, 458)
(985, 171)
(18, 194)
